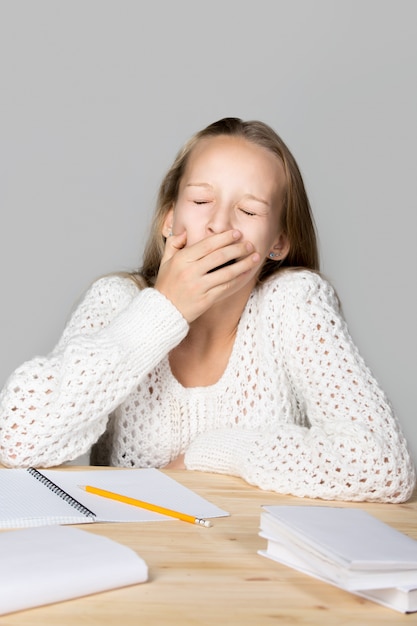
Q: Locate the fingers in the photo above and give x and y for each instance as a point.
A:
(173, 244)
(211, 252)
(233, 267)
(218, 242)
(195, 277)
(231, 254)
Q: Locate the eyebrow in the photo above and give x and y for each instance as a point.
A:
(247, 196)
(250, 196)
(199, 185)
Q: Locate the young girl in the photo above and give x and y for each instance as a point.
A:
(226, 352)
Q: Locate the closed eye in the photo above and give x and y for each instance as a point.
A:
(248, 212)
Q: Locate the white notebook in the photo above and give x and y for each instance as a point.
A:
(31, 497)
(44, 565)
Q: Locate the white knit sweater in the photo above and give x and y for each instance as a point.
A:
(296, 410)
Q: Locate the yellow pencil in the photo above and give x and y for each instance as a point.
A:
(146, 505)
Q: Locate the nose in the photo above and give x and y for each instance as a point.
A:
(220, 219)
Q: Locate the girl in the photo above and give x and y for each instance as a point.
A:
(227, 352)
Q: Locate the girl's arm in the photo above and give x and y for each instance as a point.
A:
(52, 409)
(353, 448)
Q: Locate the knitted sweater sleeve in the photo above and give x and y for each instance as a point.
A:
(352, 447)
(52, 409)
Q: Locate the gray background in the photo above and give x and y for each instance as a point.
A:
(97, 96)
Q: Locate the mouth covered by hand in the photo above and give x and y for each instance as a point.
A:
(219, 267)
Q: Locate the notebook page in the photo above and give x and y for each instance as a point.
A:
(149, 485)
(24, 501)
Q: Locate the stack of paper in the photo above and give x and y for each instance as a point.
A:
(345, 547)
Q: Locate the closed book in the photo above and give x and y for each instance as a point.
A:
(402, 599)
(346, 546)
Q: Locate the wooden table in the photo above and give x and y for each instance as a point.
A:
(214, 576)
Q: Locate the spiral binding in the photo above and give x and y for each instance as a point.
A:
(60, 492)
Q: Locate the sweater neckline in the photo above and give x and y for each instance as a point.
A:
(231, 364)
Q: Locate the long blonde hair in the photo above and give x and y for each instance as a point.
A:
(296, 216)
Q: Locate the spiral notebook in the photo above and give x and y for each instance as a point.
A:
(30, 497)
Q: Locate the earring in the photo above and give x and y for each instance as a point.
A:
(273, 256)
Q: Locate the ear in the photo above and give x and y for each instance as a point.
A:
(280, 248)
(167, 223)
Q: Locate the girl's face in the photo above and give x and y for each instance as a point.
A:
(231, 183)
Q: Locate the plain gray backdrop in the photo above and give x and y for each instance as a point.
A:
(96, 97)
